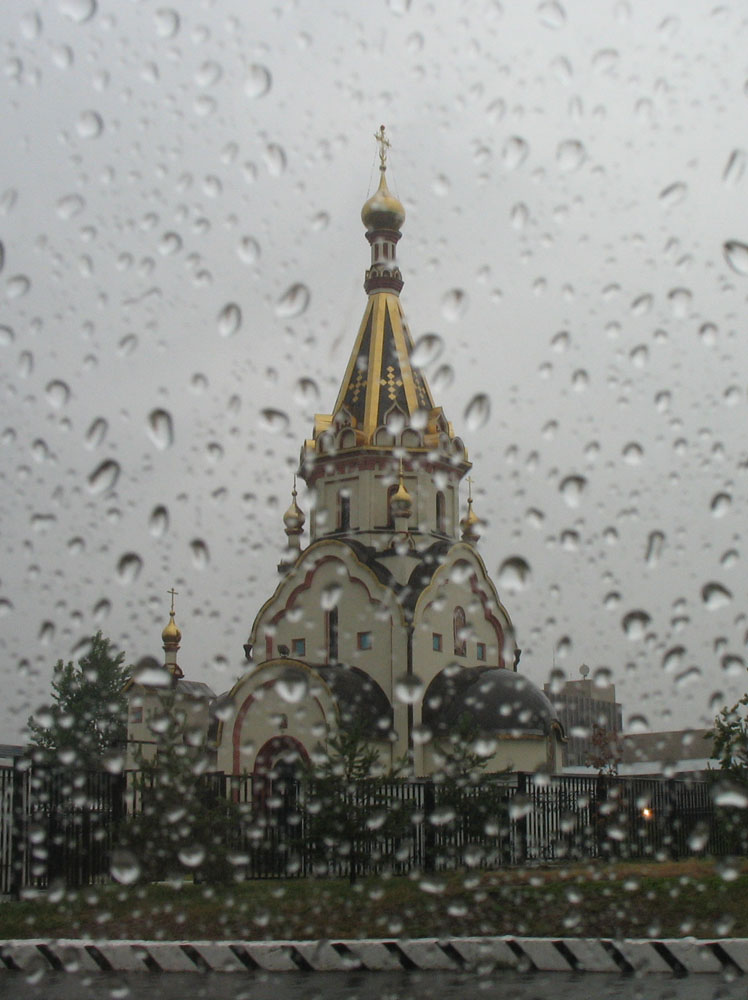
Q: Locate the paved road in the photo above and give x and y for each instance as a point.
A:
(365, 986)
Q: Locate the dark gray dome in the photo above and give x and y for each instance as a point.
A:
(498, 700)
(360, 700)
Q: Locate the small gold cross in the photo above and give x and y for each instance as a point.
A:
(384, 145)
(174, 594)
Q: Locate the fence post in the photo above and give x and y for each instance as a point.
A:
(521, 822)
(429, 833)
(18, 828)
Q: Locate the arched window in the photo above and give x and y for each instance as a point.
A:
(441, 514)
(458, 622)
(344, 510)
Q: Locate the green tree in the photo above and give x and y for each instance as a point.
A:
(183, 823)
(730, 740)
(351, 815)
(87, 720)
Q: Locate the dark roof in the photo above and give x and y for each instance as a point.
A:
(361, 701)
(497, 700)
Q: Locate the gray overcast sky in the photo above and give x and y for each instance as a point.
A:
(181, 284)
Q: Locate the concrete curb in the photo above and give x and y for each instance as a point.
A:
(679, 956)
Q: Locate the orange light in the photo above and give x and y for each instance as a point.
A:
(647, 813)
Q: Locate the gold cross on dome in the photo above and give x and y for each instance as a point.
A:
(470, 489)
(384, 145)
(174, 593)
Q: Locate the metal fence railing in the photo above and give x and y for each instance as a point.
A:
(61, 828)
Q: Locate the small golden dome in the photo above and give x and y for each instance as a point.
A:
(294, 518)
(401, 503)
(470, 524)
(171, 634)
(383, 210)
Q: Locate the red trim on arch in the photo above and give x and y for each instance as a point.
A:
(307, 582)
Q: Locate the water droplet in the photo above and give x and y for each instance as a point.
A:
(275, 421)
(292, 687)
(209, 73)
(674, 194)
(70, 206)
(441, 186)
(733, 666)
(306, 392)
(293, 302)
(161, 428)
(2, 260)
(551, 14)
(258, 82)
(129, 567)
(454, 304)
(655, 544)
(96, 433)
(715, 596)
(104, 477)
(427, 350)
(6, 336)
(478, 411)
(572, 489)
(720, 504)
(167, 22)
(635, 624)
(520, 215)
(124, 867)
(605, 61)
(514, 574)
(735, 167)
(680, 301)
(570, 155)
(633, 453)
(736, 255)
(102, 609)
(442, 379)
(730, 798)
(248, 250)
(158, 523)
(127, 345)
(275, 159)
(229, 320)
(330, 596)
(408, 689)
(514, 152)
(200, 553)
(169, 244)
(58, 393)
(580, 380)
(90, 125)
(673, 659)
(17, 286)
(192, 855)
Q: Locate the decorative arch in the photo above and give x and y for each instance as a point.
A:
(459, 623)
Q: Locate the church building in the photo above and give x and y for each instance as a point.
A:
(384, 617)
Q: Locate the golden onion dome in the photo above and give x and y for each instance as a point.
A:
(383, 210)
(171, 633)
(470, 524)
(294, 518)
(401, 503)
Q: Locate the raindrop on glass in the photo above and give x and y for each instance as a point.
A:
(572, 488)
(258, 81)
(478, 411)
(427, 350)
(736, 255)
(674, 194)
(715, 596)
(200, 553)
(514, 152)
(229, 319)
(635, 624)
(275, 421)
(720, 504)
(330, 596)
(158, 523)
(90, 125)
(514, 574)
(275, 159)
(735, 167)
(58, 393)
(570, 155)
(104, 477)
(160, 428)
(408, 689)
(454, 304)
(248, 250)
(293, 302)
(129, 567)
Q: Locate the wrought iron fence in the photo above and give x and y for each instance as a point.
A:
(61, 828)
